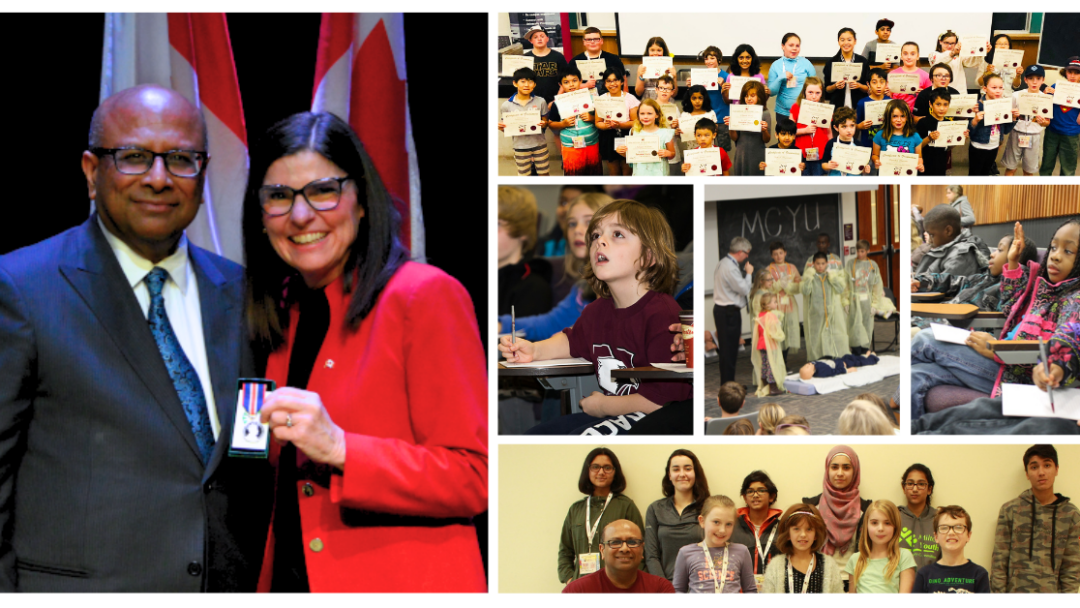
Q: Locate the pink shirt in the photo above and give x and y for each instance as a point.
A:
(924, 83)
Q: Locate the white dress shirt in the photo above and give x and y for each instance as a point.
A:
(730, 288)
(181, 294)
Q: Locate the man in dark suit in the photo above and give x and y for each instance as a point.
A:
(120, 348)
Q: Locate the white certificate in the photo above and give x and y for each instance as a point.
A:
(842, 70)
(850, 159)
(706, 77)
(670, 112)
(997, 111)
(746, 118)
(950, 133)
(1034, 105)
(704, 161)
(963, 105)
(970, 46)
(687, 124)
(903, 84)
(901, 164)
(737, 83)
(1007, 59)
(512, 63)
(817, 114)
(1067, 93)
(643, 149)
(608, 108)
(875, 111)
(526, 122)
(656, 67)
(888, 53)
(783, 161)
(591, 68)
(572, 104)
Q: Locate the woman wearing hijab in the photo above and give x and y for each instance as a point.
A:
(840, 505)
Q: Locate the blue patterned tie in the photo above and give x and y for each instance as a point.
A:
(180, 369)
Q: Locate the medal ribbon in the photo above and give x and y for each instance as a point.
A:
(806, 579)
(718, 581)
(254, 394)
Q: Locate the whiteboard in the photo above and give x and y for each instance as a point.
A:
(764, 31)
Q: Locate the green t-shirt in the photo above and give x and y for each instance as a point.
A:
(873, 578)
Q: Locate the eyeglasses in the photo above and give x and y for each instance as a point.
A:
(136, 161)
(615, 543)
(666, 89)
(922, 485)
(958, 528)
(322, 195)
(594, 39)
(757, 491)
(596, 468)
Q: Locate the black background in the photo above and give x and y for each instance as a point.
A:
(799, 241)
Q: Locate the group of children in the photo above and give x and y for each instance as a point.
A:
(867, 414)
(909, 123)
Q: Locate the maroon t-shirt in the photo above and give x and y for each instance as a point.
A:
(598, 582)
(637, 336)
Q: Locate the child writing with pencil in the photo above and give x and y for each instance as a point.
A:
(633, 270)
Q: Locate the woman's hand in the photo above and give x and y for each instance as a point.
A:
(1017, 246)
(517, 351)
(980, 341)
(1053, 380)
(298, 416)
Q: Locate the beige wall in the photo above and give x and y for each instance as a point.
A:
(537, 484)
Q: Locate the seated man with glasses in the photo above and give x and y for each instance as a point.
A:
(953, 573)
(594, 41)
(623, 551)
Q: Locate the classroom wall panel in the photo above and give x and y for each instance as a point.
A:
(537, 484)
(997, 204)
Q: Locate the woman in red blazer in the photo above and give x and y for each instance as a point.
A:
(381, 410)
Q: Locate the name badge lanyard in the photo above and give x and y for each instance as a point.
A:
(718, 581)
(806, 579)
(763, 555)
(590, 530)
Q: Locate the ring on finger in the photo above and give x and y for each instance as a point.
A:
(288, 421)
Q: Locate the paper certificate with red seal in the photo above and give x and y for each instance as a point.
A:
(591, 68)
(963, 106)
(746, 117)
(706, 77)
(670, 111)
(656, 67)
(899, 164)
(688, 123)
(903, 84)
(704, 161)
(971, 46)
(574, 103)
(1007, 59)
(612, 108)
(814, 113)
(997, 111)
(250, 437)
(526, 122)
(737, 83)
(843, 70)
(851, 159)
(513, 63)
(1067, 93)
(1035, 105)
(874, 111)
(643, 149)
(783, 161)
(887, 53)
(950, 133)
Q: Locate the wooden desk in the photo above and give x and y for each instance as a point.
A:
(544, 372)
(951, 312)
(572, 382)
(927, 296)
(649, 372)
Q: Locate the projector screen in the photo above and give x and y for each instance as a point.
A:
(689, 34)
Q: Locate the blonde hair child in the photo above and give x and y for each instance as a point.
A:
(881, 565)
(768, 336)
(650, 120)
(715, 565)
(768, 417)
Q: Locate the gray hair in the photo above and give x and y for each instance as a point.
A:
(959, 190)
(739, 244)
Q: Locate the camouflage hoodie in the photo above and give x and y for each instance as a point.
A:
(1036, 547)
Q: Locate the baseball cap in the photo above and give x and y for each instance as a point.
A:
(1035, 70)
(1073, 63)
(533, 30)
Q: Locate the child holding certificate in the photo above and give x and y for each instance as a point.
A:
(745, 65)
(883, 29)
(705, 134)
(909, 57)
(947, 52)
(811, 140)
(698, 102)
(898, 133)
(665, 90)
(750, 149)
(1026, 142)
(530, 150)
(982, 156)
(935, 159)
(844, 123)
(578, 135)
(941, 77)
(1010, 76)
(712, 57)
(1064, 130)
(879, 90)
(649, 121)
(646, 87)
(785, 139)
(617, 127)
(846, 92)
(786, 75)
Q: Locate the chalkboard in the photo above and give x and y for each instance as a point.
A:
(1058, 39)
(795, 221)
(1009, 22)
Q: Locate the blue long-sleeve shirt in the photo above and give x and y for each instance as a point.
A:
(785, 96)
(542, 327)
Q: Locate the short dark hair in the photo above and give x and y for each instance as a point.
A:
(846, 29)
(881, 22)
(755, 63)
(785, 125)
(524, 73)
(821, 256)
(731, 397)
(740, 427)
(925, 470)
(701, 483)
(711, 50)
(616, 72)
(1042, 451)
(940, 93)
(795, 515)
(880, 73)
(943, 215)
(760, 477)
(790, 35)
(375, 255)
(842, 115)
(777, 245)
(707, 124)
(947, 69)
(592, 30)
(706, 103)
(953, 511)
(569, 70)
(618, 482)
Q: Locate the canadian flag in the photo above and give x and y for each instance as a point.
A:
(191, 54)
(360, 76)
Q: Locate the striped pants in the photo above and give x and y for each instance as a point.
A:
(529, 157)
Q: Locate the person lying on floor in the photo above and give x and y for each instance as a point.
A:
(827, 367)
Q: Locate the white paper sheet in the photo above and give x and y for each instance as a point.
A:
(522, 123)
(1067, 93)
(655, 67)
(782, 161)
(997, 111)
(842, 70)
(963, 105)
(549, 363)
(704, 161)
(1008, 59)
(887, 52)
(1035, 104)
(746, 118)
(948, 333)
(1030, 400)
(875, 111)
(971, 46)
(903, 84)
(574, 103)
(512, 63)
(706, 77)
(591, 67)
(674, 367)
(951, 133)
(737, 83)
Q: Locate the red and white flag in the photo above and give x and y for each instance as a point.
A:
(191, 54)
(360, 76)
